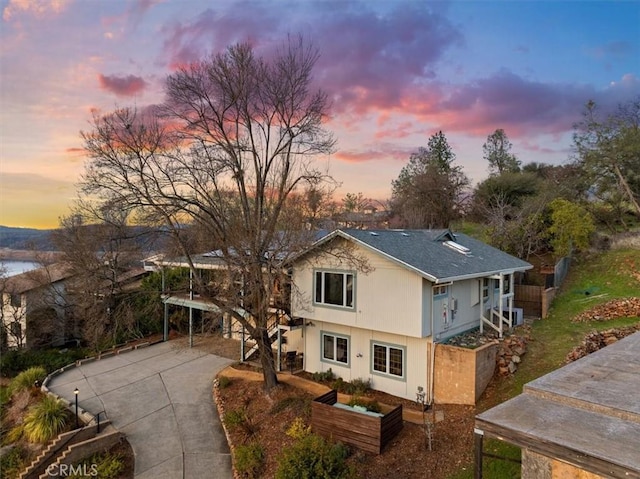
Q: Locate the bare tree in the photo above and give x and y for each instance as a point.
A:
(231, 145)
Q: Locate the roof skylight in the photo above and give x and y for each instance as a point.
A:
(458, 247)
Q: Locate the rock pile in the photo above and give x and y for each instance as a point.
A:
(596, 340)
(512, 348)
(616, 308)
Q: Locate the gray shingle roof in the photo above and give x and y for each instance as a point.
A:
(427, 253)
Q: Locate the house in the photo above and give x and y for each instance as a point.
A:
(580, 421)
(33, 306)
(374, 303)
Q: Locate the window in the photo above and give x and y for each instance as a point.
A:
(485, 289)
(439, 290)
(16, 300)
(506, 284)
(388, 360)
(333, 288)
(335, 348)
(16, 329)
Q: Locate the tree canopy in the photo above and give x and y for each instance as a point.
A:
(428, 192)
(497, 151)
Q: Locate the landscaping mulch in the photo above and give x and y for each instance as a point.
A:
(269, 416)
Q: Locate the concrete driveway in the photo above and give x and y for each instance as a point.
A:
(161, 398)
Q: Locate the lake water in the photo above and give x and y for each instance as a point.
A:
(11, 267)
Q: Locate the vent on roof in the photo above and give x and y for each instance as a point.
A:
(458, 247)
(404, 234)
(373, 233)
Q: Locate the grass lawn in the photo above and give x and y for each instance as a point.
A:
(592, 280)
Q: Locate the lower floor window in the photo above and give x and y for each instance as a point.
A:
(388, 359)
(335, 348)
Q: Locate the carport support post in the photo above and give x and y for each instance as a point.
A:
(165, 335)
(478, 436)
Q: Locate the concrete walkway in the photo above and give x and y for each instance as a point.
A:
(161, 398)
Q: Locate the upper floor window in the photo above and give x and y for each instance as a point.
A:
(334, 288)
(439, 290)
(16, 300)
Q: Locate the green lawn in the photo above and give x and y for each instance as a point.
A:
(592, 280)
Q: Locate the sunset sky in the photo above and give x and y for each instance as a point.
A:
(397, 72)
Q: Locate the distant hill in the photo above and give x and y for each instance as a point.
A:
(25, 239)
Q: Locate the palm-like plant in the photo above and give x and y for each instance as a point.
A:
(45, 420)
(27, 378)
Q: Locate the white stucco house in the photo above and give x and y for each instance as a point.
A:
(33, 307)
(375, 303)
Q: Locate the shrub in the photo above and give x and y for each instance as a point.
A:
(323, 376)
(372, 406)
(224, 382)
(238, 419)
(314, 456)
(45, 420)
(27, 378)
(12, 463)
(12, 362)
(249, 460)
(234, 418)
(361, 386)
(298, 429)
(103, 465)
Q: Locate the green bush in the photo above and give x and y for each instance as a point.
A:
(12, 463)
(27, 378)
(361, 386)
(103, 465)
(15, 361)
(314, 457)
(372, 406)
(323, 376)
(234, 418)
(249, 460)
(45, 420)
(224, 382)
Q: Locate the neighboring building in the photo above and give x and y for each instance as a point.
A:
(33, 307)
(375, 303)
(581, 421)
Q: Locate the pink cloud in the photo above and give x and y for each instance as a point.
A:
(122, 86)
(37, 8)
(381, 153)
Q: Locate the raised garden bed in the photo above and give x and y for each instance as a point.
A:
(367, 431)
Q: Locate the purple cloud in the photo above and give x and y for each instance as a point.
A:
(122, 86)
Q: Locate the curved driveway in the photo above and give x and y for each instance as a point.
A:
(161, 398)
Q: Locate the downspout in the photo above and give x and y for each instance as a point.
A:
(432, 372)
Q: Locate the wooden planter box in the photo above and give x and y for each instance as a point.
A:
(367, 432)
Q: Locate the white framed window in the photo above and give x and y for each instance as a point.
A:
(335, 348)
(440, 290)
(334, 288)
(485, 289)
(388, 360)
